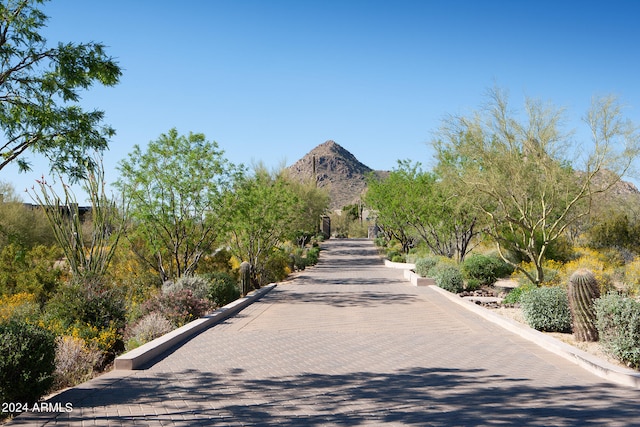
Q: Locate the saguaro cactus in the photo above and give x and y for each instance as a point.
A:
(582, 291)
(245, 277)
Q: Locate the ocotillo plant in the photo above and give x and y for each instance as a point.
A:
(583, 289)
(245, 277)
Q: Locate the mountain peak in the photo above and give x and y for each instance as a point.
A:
(335, 169)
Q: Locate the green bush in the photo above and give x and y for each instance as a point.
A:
(394, 253)
(449, 277)
(424, 266)
(223, 290)
(483, 269)
(618, 323)
(399, 258)
(547, 309)
(27, 362)
(513, 297)
(90, 302)
(313, 255)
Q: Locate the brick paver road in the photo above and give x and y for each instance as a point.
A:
(349, 343)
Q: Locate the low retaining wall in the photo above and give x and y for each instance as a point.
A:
(137, 357)
(417, 280)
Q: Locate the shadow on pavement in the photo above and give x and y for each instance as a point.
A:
(417, 396)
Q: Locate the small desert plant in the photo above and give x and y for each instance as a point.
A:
(179, 307)
(582, 291)
(148, 328)
(546, 309)
(618, 323)
(313, 254)
(484, 269)
(19, 307)
(27, 362)
(513, 297)
(424, 266)
(223, 289)
(75, 361)
(449, 278)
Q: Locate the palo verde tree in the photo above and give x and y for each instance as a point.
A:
(175, 191)
(521, 174)
(265, 211)
(412, 202)
(39, 90)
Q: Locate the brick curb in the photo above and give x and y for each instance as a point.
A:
(137, 357)
(591, 363)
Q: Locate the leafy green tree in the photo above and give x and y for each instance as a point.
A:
(418, 203)
(313, 203)
(519, 173)
(40, 87)
(175, 191)
(264, 209)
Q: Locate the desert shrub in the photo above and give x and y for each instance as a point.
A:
(275, 268)
(89, 301)
(34, 271)
(618, 323)
(19, 307)
(483, 269)
(546, 309)
(449, 278)
(27, 362)
(92, 310)
(513, 297)
(553, 273)
(148, 328)
(220, 260)
(399, 258)
(75, 361)
(198, 285)
(223, 290)
(313, 255)
(394, 253)
(179, 307)
(380, 241)
(425, 265)
(592, 260)
(632, 276)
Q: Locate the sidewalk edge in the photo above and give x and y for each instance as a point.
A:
(137, 357)
(591, 363)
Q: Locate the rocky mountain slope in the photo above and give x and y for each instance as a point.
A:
(335, 169)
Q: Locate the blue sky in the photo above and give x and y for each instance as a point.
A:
(271, 79)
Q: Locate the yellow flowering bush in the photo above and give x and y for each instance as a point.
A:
(592, 260)
(632, 277)
(552, 272)
(21, 306)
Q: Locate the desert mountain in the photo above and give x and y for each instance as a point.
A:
(335, 169)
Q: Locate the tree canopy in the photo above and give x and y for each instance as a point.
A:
(521, 174)
(40, 88)
(411, 203)
(175, 191)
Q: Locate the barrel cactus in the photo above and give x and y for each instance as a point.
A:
(245, 277)
(583, 290)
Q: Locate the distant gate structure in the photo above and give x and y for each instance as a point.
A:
(325, 226)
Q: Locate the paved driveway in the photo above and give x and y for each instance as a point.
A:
(349, 343)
